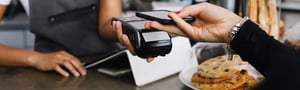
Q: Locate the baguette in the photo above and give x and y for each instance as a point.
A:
(274, 28)
(282, 30)
(263, 16)
(253, 10)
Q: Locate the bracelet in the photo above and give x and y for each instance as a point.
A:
(236, 28)
(232, 34)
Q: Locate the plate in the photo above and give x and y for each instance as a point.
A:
(185, 75)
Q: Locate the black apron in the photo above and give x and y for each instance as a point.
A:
(70, 25)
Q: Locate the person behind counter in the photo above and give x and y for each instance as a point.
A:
(3, 5)
(66, 30)
(276, 61)
(81, 27)
(41, 61)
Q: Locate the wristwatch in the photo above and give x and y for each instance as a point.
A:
(232, 34)
(236, 28)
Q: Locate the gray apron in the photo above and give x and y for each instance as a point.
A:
(69, 25)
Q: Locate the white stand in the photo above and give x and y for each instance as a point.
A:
(161, 67)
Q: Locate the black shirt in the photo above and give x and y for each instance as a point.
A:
(277, 62)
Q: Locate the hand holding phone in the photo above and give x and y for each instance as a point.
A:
(161, 16)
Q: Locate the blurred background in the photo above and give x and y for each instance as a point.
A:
(14, 30)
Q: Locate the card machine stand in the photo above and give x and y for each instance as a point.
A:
(162, 66)
(144, 73)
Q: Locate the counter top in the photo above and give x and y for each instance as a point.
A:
(32, 79)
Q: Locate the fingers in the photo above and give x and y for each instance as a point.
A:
(71, 63)
(149, 59)
(117, 27)
(128, 44)
(192, 10)
(79, 67)
(123, 39)
(167, 28)
(71, 68)
(61, 71)
(76, 63)
(185, 27)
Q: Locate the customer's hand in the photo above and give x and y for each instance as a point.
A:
(212, 23)
(56, 61)
(124, 40)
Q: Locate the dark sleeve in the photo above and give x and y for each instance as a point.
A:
(278, 63)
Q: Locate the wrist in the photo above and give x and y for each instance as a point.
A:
(235, 28)
(231, 36)
(33, 59)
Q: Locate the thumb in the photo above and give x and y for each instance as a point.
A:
(185, 27)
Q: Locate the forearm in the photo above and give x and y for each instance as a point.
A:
(251, 43)
(15, 57)
(2, 10)
(106, 33)
(108, 9)
(277, 62)
(261, 50)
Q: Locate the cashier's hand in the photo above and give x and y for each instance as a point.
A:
(212, 23)
(56, 61)
(124, 40)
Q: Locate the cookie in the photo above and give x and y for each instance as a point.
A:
(221, 74)
(241, 78)
(198, 78)
(219, 67)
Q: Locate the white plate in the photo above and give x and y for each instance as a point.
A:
(185, 75)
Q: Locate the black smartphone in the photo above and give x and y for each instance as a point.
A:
(161, 16)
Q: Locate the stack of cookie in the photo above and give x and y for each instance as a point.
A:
(221, 74)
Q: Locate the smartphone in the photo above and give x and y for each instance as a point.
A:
(161, 16)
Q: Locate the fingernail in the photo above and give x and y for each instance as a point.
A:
(66, 75)
(77, 74)
(149, 59)
(177, 12)
(116, 24)
(170, 16)
(84, 73)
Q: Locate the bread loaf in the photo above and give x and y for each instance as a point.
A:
(253, 10)
(263, 15)
(274, 25)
